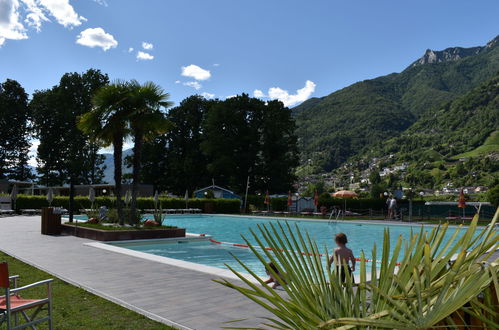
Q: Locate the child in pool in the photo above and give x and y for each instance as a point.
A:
(343, 256)
(272, 279)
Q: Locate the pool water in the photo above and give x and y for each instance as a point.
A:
(361, 237)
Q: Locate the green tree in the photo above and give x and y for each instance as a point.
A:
(231, 141)
(146, 121)
(65, 154)
(186, 163)
(15, 132)
(107, 124)
(493, 195)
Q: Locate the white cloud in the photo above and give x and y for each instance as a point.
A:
(10, 27)
(258, 93)
(147, 45)
(177, 81)
(207, 95)
(130, 49)
(101, 2)
(143, 56)
(96, 37)
(216, 64)
(195, 72)
(63, 12)
(230, 96)
(35, 15)
(193, 84)
(289, 100)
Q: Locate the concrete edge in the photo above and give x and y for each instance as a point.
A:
(215, 271)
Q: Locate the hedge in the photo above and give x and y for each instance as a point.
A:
(220, 205)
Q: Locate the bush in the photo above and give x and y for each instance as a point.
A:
(220, 205)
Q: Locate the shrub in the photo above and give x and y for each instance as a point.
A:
(220, 205)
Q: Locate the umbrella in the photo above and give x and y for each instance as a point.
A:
(345, 194)
(91, 196)
(156, 199)
(50, 196)
(128, 197)
(13, 195)
(316, 198)
(186, 198)
(462, 201)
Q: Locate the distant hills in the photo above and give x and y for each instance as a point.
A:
(368, 116)
(109, 163)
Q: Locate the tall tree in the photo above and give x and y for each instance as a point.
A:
(65, 154)
(15, 132)
(231, 140)
(278, 154)
(107, 124)
(186, 163)
(147, 121)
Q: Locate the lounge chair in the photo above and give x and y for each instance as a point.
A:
(11, 305)
(5, 206)
(31, 211)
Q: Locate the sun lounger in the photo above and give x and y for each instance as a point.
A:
(31, 211)
(12, 304)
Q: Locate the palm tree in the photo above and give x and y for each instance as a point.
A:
(146, 121)
(107, 124)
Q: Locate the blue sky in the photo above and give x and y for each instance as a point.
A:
(225, 47)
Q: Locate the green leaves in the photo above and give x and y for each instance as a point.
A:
(420, 283)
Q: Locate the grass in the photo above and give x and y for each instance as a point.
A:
(75, 308)
(490, 144)
(116, 227)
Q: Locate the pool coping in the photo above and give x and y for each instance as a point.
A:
(215, 271)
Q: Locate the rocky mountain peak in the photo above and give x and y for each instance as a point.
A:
(452, 53)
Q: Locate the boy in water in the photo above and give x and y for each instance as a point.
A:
(343, 256)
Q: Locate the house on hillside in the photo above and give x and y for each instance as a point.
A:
(218, 192)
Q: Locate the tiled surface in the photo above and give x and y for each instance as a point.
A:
(173, 295)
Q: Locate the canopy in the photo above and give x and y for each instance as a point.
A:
(50, 196)
(13, 193)
(345, 194)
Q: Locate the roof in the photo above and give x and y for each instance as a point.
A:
(213, 186)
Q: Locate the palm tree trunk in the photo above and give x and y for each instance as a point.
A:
(137, 150)
(118, 154)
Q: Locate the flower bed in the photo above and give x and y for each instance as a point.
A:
(97, 232)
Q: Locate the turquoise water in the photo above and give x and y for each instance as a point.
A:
(229, 229)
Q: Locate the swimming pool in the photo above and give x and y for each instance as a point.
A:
(361, 236)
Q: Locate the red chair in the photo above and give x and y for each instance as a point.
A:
(12, 305)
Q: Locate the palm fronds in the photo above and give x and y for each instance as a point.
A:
(420, 283)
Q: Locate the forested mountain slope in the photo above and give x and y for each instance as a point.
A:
(336, 127)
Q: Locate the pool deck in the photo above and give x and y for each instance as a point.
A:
(183, 298)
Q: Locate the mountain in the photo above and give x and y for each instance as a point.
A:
(334, 128)
(109, 163)
(457, 143)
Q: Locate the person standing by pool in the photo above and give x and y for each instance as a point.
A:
(392, 208)
(343, 256)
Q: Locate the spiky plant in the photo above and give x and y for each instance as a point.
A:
(421, 284)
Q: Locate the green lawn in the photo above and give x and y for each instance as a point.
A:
(490, 144)
(75, 308)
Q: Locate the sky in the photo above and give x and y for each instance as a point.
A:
(274, 49)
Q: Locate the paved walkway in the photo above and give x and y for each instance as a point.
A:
(176, 296)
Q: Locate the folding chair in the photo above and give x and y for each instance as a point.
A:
(12, 305)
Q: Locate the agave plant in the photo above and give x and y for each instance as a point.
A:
(426, 281)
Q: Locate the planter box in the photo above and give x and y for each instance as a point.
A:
(121, 235)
